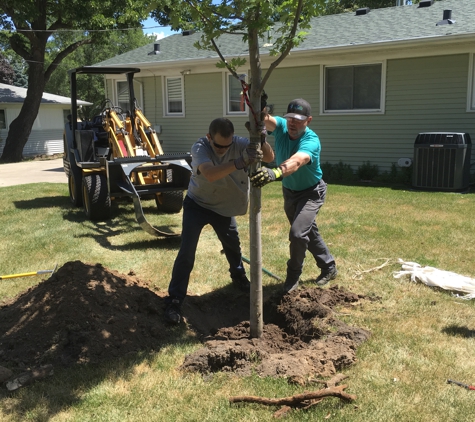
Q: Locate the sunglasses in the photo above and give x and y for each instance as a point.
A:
(221, 146)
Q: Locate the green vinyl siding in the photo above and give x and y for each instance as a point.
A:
(426, 94)
(203, 103)
(422, 95)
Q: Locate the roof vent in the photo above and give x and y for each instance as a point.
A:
(362, 11)
(446, 18)
(426, 3)
(189, 32)
(156, 50)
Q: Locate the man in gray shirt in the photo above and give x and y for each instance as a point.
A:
(218, 191)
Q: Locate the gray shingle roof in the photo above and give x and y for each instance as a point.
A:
(10, 94)
(388, 25)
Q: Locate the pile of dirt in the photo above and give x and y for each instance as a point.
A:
(301, 338)
(87, 313)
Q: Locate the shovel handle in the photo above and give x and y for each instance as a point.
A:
(468, 387)
(4, 277)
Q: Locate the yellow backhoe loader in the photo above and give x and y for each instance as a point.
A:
(118, 154)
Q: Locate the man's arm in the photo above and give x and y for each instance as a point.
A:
(268, 153)
(213, 173)
(270, 122)
(292, 164)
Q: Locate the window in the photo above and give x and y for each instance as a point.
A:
(174, 96)
(66, 113)
(234, 100)
(3, 122)
(353, 88)
(123, 95)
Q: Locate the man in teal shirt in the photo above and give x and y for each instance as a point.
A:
(297, 155)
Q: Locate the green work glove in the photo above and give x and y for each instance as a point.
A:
(266, 175)
(249, 156)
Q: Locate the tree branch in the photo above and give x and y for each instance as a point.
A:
(298, 399)
(290, 45)
(64, 53)
(223, 59)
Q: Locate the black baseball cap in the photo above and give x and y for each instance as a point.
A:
(299, 109)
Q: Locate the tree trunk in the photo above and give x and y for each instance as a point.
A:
(20, 128)
(256, 317)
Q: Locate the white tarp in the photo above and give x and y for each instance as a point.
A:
(434, 277)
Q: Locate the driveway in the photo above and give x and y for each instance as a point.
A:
(35, 171)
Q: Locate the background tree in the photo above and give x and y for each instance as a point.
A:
(89, 87)
(20, 77)
(6, 71)
(253, 21)
(31, 23)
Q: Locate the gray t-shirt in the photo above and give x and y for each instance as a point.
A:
(228, 196)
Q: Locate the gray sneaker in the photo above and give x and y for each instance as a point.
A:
(326, 276)
(290, 285)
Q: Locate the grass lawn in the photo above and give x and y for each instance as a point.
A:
(420, 336)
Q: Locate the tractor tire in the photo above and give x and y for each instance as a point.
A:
(74, 185)
(170, 202)
(97, 201)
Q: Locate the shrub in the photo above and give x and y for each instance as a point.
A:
(334, 173)
(367, 171)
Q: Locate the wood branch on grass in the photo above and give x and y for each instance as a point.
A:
(298, 399)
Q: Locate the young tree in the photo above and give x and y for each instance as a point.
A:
(31, 23)
(252, 21)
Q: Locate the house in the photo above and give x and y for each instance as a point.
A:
(375, 79)
(46, 136)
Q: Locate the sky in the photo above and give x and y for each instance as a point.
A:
(152, 27)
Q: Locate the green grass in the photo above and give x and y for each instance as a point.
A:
(420, 336)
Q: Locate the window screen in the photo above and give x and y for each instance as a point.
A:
(353, 87)
(174, 96)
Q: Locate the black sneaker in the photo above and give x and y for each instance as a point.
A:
(290, 285)
(326, 276)
(173, 312)
(242, 283)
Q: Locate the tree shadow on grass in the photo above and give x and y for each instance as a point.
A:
(458, 331)
(42, 202)
(122, 221)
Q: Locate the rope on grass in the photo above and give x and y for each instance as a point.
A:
(359, 273)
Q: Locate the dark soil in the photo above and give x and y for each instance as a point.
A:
(87, 313)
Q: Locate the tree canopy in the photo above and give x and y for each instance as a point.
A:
(7, 73)
(30, 24)
(89, 87)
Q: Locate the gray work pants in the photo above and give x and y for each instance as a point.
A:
(301, 209)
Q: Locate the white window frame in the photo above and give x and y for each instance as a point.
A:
(471, 84)
(166, 108)
(4, 118)
(382, 100)
(227, 98)
(138, 93)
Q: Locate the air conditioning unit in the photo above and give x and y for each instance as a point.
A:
(442, 161)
